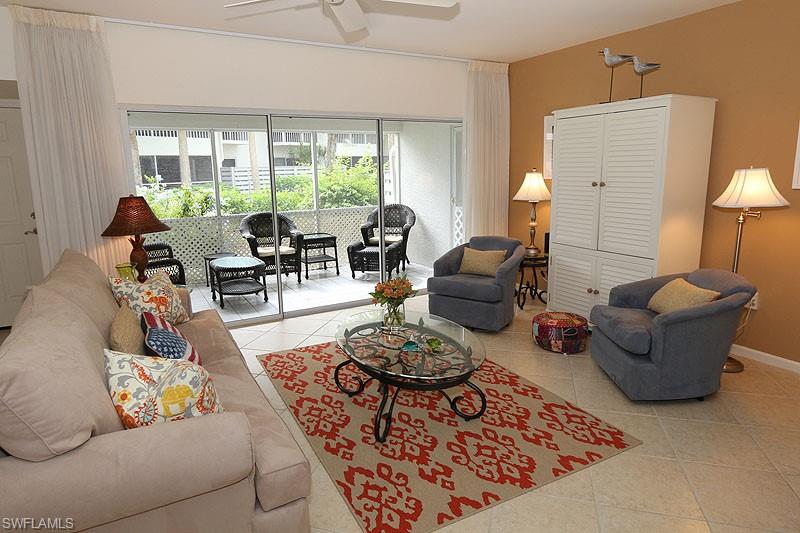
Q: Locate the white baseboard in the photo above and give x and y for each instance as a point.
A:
(766, 358)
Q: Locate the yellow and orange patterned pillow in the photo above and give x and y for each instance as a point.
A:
(157, 295)
(153, 390)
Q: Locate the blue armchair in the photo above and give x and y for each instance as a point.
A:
(668, 356)
(473, 301)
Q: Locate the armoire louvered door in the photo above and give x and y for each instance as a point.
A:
(630, 187)
(618, 271)
(578, 165)
(571, 280)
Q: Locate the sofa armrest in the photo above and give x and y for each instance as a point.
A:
(637, 295)
(186, 301)
(127, 472)
(449, 263)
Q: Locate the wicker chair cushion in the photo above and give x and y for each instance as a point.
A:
(269, 251)
(389, 239)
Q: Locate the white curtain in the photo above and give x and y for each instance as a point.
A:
(487, 124)
(71, 132)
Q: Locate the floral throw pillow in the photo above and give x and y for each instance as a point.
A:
(162, 339)
(152, 390)
(157, 295)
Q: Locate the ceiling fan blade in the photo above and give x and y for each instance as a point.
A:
(245, 3)
(431, 3)
(349, 14)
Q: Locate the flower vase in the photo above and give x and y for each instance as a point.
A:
(394, 316)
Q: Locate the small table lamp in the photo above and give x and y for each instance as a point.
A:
(134, 217)
(749, 187)
(533, 190)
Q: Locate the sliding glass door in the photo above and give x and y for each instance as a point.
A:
(303, 195)
(327, 182)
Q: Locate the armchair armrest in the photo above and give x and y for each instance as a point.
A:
(252, 242)
(367, 232)
(120, 474)
(510, 267)
(297, 237)
(449, 263)
(637, 295)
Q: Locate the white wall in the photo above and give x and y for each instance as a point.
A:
(153, 66)
(425, 173)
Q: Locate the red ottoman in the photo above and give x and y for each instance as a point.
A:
(561, 332)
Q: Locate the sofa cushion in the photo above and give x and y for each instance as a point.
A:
(126, 333)
(282, 471)
(680, 294)
(152, 390)
(53, 396)
(157, 295)
(80, 281)
(162, 339)
(467, 286)
(481, 262)
(630, 329)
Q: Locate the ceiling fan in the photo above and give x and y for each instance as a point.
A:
(349, 13)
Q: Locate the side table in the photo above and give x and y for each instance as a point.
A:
(237, 276)
(210, 257)
(320, 241)
(538, 265)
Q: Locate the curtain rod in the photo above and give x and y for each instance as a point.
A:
(282, 40)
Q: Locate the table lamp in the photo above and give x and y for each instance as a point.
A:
(749, 187)
(533, 190)
(134, 217)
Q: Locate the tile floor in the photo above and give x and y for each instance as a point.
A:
(323, 288)
(728, 464)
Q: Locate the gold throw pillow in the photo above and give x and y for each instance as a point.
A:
(680, 294)
(126, 332)
(481, 262)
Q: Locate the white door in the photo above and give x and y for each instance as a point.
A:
(577, 167)
(20, 261)
(631, 184)
(618, 271)
(571, 280)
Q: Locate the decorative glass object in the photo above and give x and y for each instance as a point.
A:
(394, 316)
(126, 271)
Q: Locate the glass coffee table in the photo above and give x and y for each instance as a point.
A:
(428, 353)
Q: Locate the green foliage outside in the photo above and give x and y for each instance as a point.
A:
(340, 185)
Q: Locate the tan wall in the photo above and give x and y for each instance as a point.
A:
(745, 54)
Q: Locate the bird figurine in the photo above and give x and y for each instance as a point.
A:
(612, 61)
(643, 69)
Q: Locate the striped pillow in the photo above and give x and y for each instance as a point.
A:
(161, 339)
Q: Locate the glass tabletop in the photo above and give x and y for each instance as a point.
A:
(425, 348)
(236, 262)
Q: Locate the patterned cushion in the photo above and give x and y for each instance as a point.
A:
(126, 333)
(680, 294)
(161, 339)
(157, 295)
(151, 390)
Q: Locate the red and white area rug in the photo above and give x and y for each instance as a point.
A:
(434, 467)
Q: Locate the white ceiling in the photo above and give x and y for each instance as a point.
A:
(498, 30)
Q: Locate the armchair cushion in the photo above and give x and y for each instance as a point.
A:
(467, 286)
(269, 251)
(389, 238)
(680, 294)
(630, 329)
(481, 262)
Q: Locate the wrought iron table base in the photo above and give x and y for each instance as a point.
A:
(383, 417)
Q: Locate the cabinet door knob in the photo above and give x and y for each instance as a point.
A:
(589, 291)
(594, 184)
(602, 183)
(596, 291)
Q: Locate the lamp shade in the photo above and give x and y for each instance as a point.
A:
(751, 187)
(533, 188)
(133, 217)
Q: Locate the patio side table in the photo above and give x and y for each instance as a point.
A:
(210, 257)
(237, 276)
(320, 241)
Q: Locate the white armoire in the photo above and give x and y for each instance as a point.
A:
(629, 195)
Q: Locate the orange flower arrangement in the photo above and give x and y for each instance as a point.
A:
(392, 293)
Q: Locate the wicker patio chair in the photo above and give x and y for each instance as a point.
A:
(398, 220)
(257, 229)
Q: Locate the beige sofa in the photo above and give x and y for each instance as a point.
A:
(65, 453)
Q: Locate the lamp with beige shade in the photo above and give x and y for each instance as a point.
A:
(749, 188)
(533, 190)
